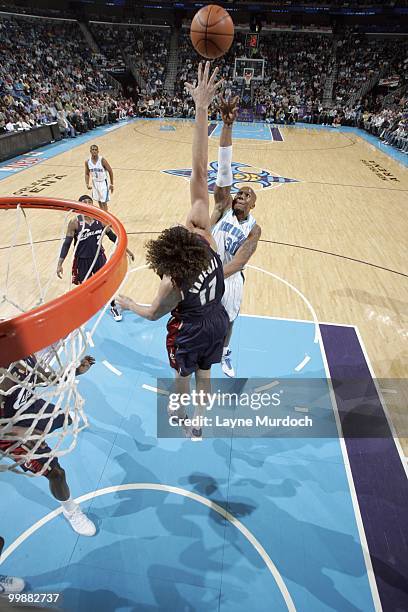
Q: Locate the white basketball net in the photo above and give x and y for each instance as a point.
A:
(41, 393)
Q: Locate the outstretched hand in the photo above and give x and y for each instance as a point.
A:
(228, 109)
(86, 363)
(205, 89)
(124, 302)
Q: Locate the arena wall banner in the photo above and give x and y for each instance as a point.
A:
(17, 143)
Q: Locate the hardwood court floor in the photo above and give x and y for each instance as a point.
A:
(338, 234)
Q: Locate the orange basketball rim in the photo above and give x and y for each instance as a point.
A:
(38, 328)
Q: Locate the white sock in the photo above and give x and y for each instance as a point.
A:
(225, 350)
(69, 505)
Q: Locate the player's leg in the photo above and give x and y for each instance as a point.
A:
(55, 475)
(104, 198)
(210, 342)
(9, 584)
(226, 362)
(232, 298)
(203, 389)
(95, 192)
(52, 470)
(229, 334)
(115, 312)
(83, 268)
(59, 488)
(182, 361)
(80, 272)
(100, 194)
(114, 308)
(74, 271)
(180, 387)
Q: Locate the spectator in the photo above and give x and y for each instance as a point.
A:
(47, 69)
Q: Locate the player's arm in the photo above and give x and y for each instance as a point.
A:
(166, 299)
(84, 365)
(72, 227)
(244, 253)
(222, 190)
(203, 93)
(113, 238)
(49, 376)
(43, 376)
(87, 176)
(109, 170)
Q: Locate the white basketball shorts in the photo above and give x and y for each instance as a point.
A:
(100, 191)
(232, 298)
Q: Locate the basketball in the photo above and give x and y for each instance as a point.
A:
(222, 117)
(212, 31)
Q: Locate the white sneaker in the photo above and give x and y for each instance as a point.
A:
(11, 584)
(226, 364)
(80, 522)
(116, 314)
(175, 414)
(194, 433)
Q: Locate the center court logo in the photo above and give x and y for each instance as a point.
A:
(241, 174)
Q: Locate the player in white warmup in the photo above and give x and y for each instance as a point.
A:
(234, 228)
(97, 169)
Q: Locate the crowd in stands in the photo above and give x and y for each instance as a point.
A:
(148, 48)
(359, 58)
(389, 123)
(295, 74)
(147, 51)
(48, 75)
(151, 57)
(384, 116)
(188, 61)
(113, 43)
(293, 88)
(295, 69)
(59, 12)
(345, 3)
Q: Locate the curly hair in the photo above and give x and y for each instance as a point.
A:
(179, 254)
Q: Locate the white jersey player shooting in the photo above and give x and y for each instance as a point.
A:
(233, 227)
(97, 169)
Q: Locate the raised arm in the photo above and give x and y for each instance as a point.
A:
(222, 190)
(202, 93)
